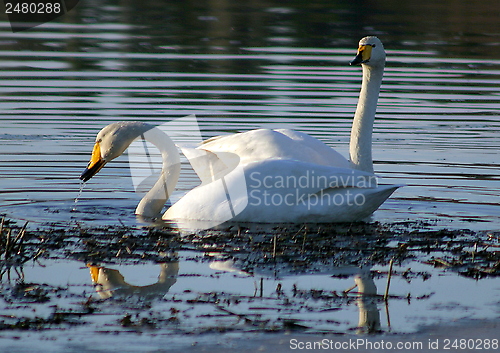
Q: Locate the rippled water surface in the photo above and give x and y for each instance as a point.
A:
(244, 66)
(436, 130)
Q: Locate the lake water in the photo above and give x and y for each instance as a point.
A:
(238, 67)
(436, 130)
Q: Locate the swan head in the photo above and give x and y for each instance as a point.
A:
(111, 142)
(371, 52)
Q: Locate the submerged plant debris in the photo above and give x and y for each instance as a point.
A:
(273, 252)
(472, 254)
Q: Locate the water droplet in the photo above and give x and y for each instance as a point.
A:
(82, 185)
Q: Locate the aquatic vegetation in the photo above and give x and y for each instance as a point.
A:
(273, 254)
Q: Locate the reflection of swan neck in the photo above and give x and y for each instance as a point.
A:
(365, 283)
(360, 147)
(369, 316)
(153, 202)
(168, 273)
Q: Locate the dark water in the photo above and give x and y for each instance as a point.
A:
(238, 66)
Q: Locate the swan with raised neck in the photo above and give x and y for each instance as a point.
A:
(371, 56)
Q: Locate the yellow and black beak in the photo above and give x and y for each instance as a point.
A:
(363, 56)
(95, 164)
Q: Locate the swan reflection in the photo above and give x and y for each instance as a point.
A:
(111, 283)
(369, 314)
(366, 301)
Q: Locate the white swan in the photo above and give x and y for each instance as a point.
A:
(263, 175)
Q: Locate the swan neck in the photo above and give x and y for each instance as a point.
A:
(152, 203)
(360, 148)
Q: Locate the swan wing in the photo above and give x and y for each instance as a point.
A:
(219, 155)
(324, 153)
(208, 165)
(264, 144)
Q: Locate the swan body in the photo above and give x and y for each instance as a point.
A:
(284, 190)
(264, 175)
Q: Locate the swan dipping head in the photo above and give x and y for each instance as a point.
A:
(111, 142)
(370, 52)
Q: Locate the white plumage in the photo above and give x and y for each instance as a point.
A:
(265, 175)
